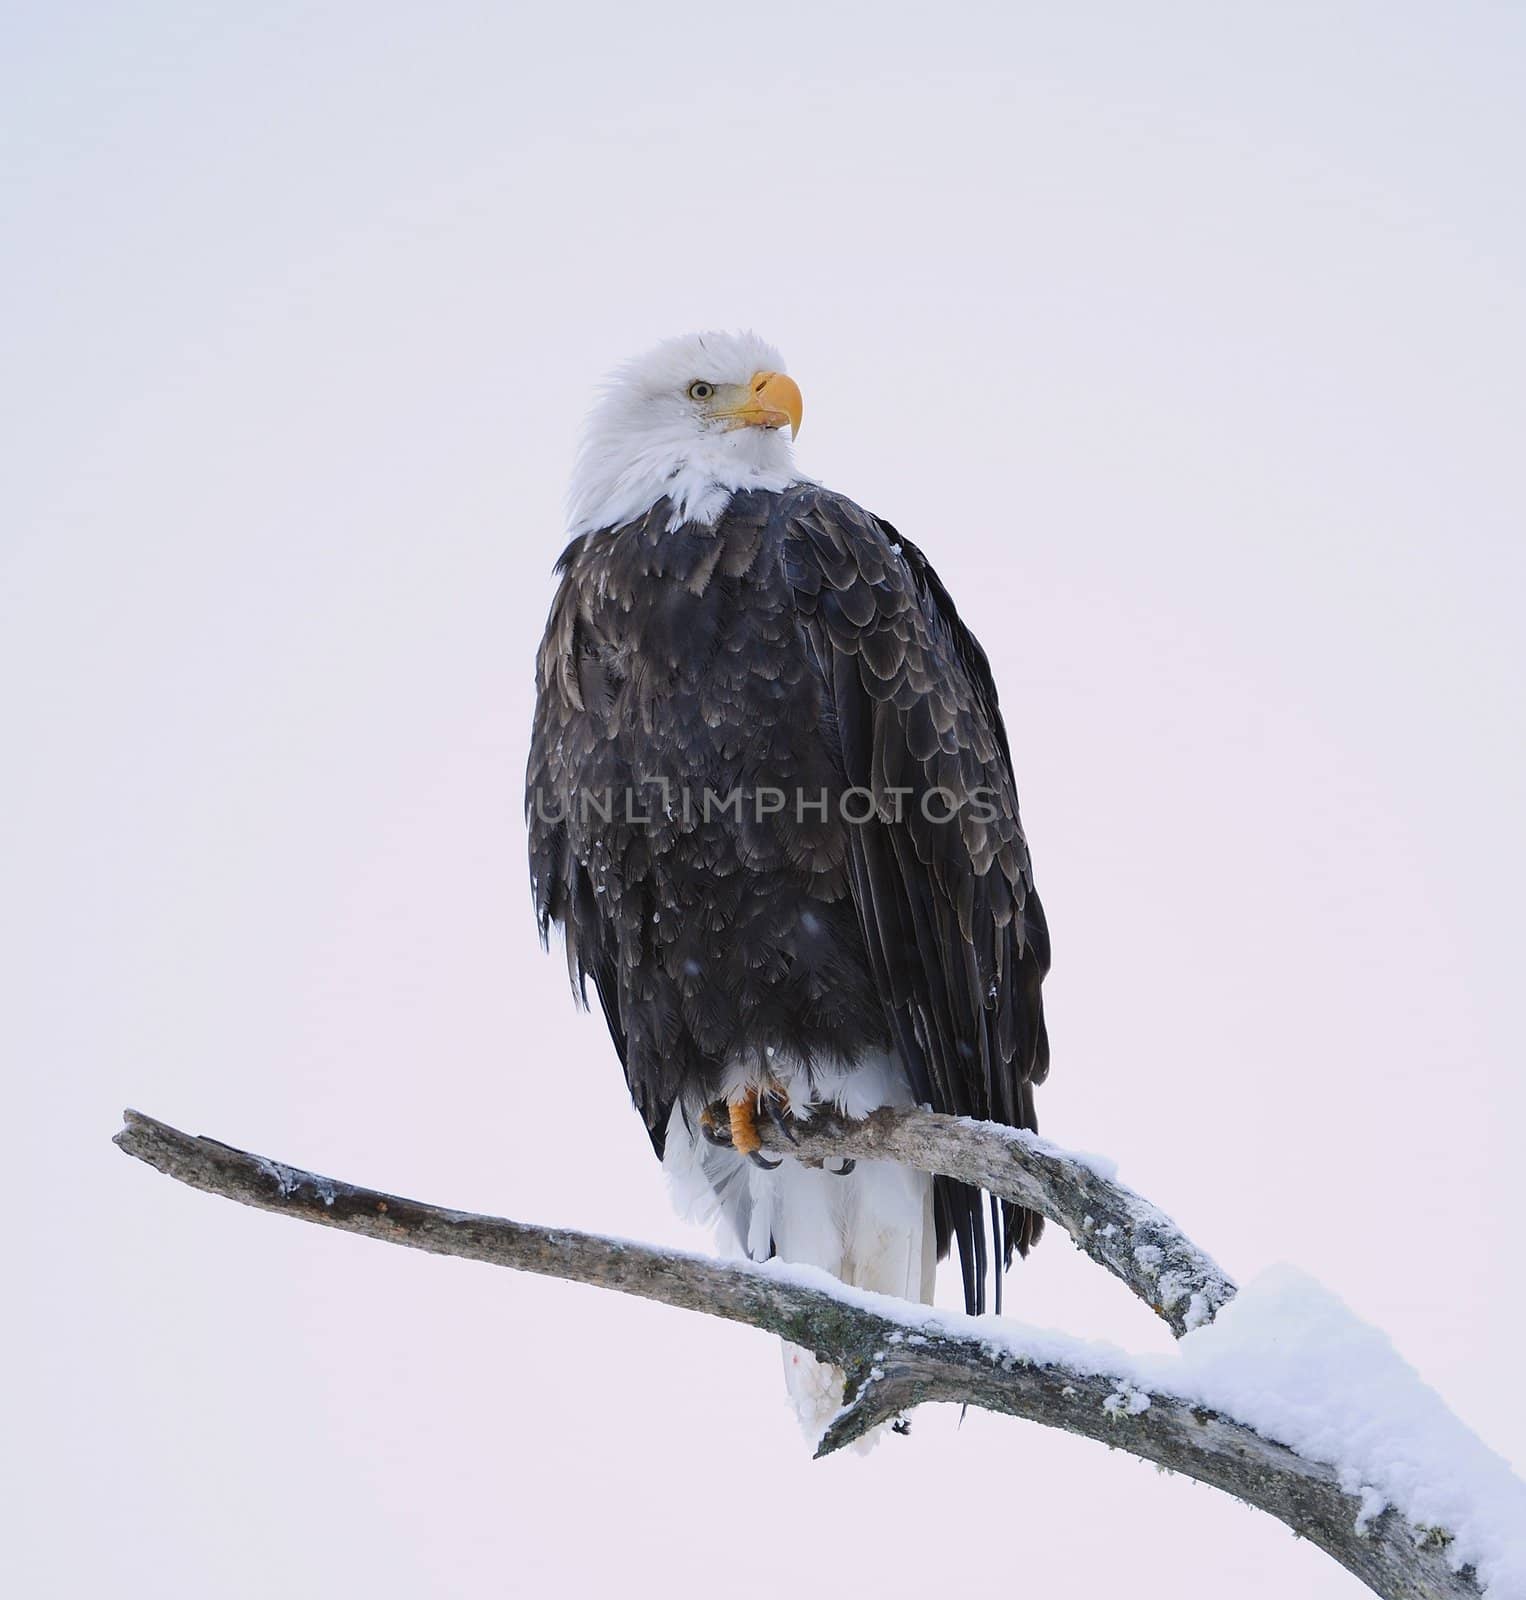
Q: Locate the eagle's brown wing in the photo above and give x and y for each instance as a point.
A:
(953, 927)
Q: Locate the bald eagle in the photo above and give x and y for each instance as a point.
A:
(771, 806)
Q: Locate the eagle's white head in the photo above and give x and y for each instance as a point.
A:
(695, 419)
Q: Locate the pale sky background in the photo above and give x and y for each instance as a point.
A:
(1187, 340)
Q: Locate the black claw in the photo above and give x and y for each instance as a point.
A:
(758, 1159)
(847, 1166)
(717, 1129)
(777, 1117)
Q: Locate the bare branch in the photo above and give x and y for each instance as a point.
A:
(1117, 1228)
(895, 1355)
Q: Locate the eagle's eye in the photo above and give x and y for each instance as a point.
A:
(701, 390)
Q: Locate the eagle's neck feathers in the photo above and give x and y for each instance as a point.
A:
(622, 472)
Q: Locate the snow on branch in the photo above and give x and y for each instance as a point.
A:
(1117, 1228)
(1420, 1511)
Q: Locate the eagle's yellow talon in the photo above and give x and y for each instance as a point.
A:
(744, 1128)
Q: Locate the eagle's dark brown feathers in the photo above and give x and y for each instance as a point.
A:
(800, 645)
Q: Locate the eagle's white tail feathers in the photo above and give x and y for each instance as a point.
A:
(872, 1227)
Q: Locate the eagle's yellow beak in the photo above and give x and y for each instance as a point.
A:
(772, 399)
